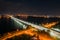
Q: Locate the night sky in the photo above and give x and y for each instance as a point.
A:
(30, 7)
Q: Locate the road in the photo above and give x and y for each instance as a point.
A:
(52, 32)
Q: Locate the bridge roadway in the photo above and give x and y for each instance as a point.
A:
(52, 31)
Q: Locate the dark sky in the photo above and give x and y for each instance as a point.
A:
(30, 7)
